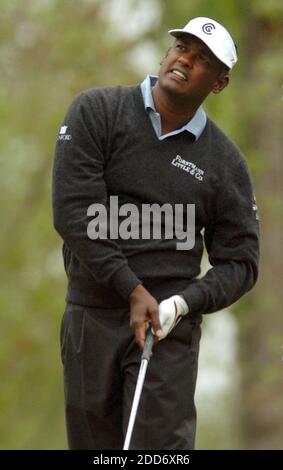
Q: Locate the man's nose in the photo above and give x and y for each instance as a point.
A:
(187, 59)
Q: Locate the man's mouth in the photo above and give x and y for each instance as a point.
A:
(179, 74)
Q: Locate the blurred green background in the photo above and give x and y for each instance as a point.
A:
(50, 50)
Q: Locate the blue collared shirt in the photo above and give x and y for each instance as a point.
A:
(195, 126)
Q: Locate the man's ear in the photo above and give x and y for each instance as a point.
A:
(220, 84)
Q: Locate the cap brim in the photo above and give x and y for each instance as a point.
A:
(177, 32)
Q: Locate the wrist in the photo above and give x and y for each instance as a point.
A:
(136, 292)
(182, 306)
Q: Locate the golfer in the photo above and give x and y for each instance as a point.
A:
(131, 148)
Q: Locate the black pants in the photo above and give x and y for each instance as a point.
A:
(101, 363)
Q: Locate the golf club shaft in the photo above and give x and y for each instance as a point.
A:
(142, 371)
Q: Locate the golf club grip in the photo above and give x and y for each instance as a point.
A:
(148, 345)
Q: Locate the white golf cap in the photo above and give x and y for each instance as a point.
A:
(214, 35)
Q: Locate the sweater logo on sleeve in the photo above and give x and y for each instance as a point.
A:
(255, 208)
(63, 134)
(189, 167)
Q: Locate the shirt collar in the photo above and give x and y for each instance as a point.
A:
(195, 126)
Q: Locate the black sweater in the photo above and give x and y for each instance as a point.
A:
(109, 147)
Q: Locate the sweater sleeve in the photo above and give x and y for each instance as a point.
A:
(232, 242)
(78, 182)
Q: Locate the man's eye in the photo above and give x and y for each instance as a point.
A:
(203, 58)
(180, 47)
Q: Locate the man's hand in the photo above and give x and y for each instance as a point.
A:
(143, 308)
(170, 312)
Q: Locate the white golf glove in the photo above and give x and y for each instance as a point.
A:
(170, 313)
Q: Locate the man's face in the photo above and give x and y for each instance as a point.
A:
(191, 71)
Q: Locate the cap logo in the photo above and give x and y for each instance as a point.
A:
(208, 28)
